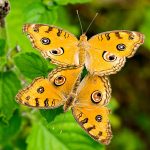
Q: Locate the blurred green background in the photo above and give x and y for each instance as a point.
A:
(24, 128)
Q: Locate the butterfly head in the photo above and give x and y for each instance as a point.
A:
(83, 37)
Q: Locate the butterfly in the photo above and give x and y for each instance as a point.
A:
(103, 54)
(87, 99)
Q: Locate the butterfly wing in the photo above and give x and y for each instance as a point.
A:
(95, 121)
(88, 110)
(65, 79)
(94, 90)
(50, 92)
(108, 51)
(54, 43)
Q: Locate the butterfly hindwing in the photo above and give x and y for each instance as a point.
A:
(108, 51)
(50, 92)
(94, 120)
(54, 43)
(89, 110)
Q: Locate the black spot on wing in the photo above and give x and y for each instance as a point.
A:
(118, 35)
(28, 97)
(37, 102)
(49, 29)
(59, 32)
(107, 36)
(46, 102)
(84, 121)
(98, 118)
(90, 128)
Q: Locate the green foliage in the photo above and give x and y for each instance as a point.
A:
(10, 129)
(50, 115)
(44, 139)
(65, 2)
(30, 67)
(64, 131)
(9, 86)
(2, 47)
(133, 143)
(70, 133)
(43, 15)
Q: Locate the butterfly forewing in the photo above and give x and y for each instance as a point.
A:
(120, 42)
(108, 51)
(54, 43)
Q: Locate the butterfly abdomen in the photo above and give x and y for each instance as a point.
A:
(69, 102)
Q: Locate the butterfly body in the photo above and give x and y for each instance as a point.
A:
(83, 47)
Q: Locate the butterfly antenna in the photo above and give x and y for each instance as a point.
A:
(91, 22)
(79, 21)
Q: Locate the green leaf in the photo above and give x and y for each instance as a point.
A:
(2, 47)
(41, 138)
(65, 2)
(50, 114)
(67, 130)
(31, 65)
(9, 86)
(9, 130)
(15, 21)
(42, 15)
(62, 134)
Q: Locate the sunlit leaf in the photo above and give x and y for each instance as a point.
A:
(63, 133)
(31, 65)
(14, 28)
(42, 15)
(9, 86)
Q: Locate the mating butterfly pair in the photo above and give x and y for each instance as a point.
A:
(102, 55)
